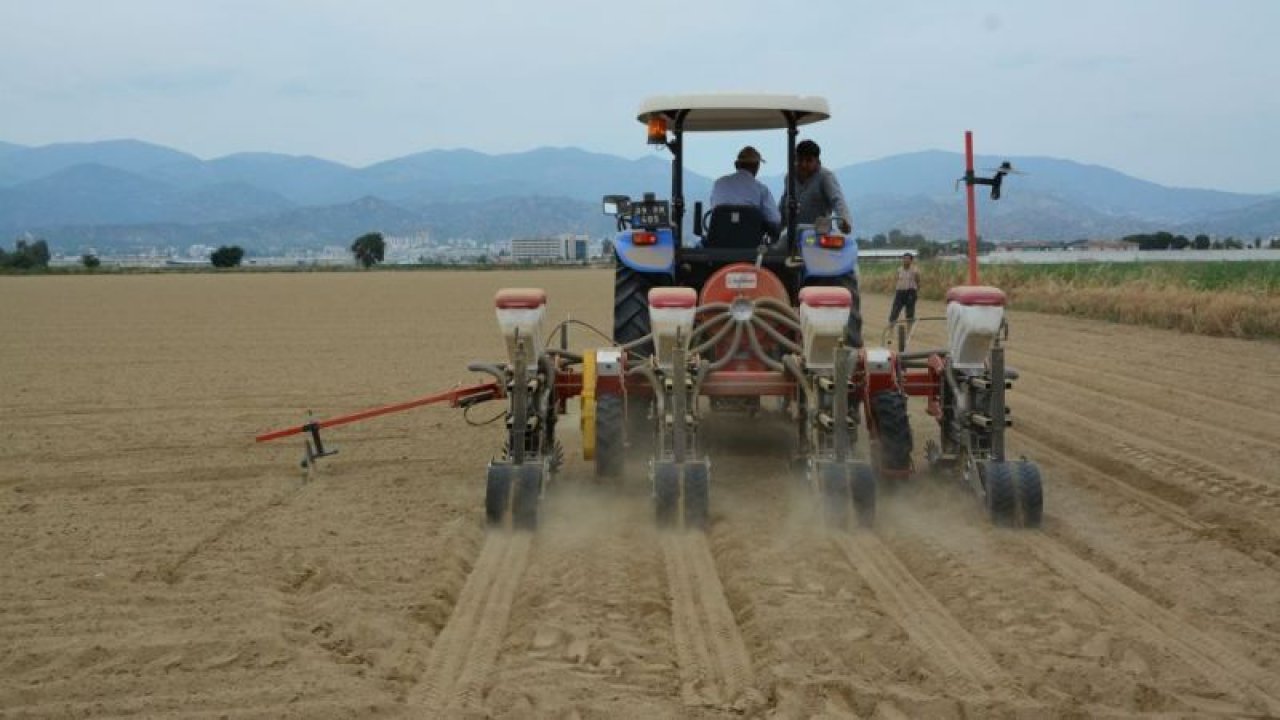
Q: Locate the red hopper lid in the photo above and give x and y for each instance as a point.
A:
(816, 297)
(520, 298)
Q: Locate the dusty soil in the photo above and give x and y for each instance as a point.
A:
(155, 562)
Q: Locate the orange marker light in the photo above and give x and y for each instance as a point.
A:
(657, 130)
(834, 242)
(641, 237)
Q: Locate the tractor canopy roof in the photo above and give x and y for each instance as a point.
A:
(734, 111)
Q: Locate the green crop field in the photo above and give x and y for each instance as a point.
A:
(1232, 299)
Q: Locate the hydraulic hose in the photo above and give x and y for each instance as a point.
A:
(715, 339)
(778, 317)
(759, 353)
(786, 342)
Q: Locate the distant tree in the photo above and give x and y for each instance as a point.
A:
(369, 249)
(39, 251)
(26, 255)
(1202, 242)
(1180, 242)
(1257, 241)
(227, 256)
(1232, 244)
(90, 261)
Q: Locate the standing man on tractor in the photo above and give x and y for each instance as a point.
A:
(742, 188)
(817, 189)
(905, 290)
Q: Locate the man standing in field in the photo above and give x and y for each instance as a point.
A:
(905, 290)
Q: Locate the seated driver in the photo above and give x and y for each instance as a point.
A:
(742, 188)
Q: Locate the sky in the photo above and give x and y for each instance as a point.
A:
(1181, 92)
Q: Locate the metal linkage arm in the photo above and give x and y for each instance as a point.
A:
(457, 397)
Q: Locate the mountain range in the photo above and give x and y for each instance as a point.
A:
(126, 194)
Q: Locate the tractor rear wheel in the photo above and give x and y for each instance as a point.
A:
(890, 409)
(631, 306)
(609, 436)
(848, 281)
(631, 322)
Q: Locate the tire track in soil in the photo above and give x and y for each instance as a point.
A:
(1236, 511)
(1255, 539)
(715, 669)
(175, 571)
(590, 629)
(329, 614)
(1046, 617)
(1159, 378)
(956, 652)
(1237, 432)
(1166, 509)
(457, 671)
(1221, 451)
(1151, 457)
(1137, 388)
(1219, 664)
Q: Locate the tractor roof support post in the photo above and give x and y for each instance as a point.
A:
(969, 200)
(793, 204)
(677, 176)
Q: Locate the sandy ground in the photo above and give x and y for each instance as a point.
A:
(155, 562)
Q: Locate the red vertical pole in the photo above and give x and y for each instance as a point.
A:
(973, 218)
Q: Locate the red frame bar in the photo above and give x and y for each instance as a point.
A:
(729, 383)
(482, 391)
(921, 383)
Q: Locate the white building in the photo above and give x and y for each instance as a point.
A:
(571, 248)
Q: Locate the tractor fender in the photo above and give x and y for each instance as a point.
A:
(655, 258)
(827, 262)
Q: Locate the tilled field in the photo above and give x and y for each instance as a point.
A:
(155, 562)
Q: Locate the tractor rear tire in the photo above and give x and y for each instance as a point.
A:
(631, 306)
(1002, 500)
(862, 483)
(848, 281)
(610, 433)
(890, 409)
(1030, 493)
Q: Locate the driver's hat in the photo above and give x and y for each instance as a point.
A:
(749, 154)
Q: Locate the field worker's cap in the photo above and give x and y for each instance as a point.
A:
(749, 154)
(907, 255)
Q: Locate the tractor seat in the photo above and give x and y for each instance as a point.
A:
(735, 227)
